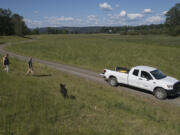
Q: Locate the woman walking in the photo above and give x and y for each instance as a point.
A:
(30, 67)
(6, 63)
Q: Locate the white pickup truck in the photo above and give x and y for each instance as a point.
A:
(144, 77)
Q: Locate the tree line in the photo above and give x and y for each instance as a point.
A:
(13, 24)
(173, 20)
(136, 30)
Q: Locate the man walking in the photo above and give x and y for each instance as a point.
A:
(30, 67)
(6, 63)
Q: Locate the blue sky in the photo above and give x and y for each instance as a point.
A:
(55, 13)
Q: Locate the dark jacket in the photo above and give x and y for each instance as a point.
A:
(6, 61)
(30, 63)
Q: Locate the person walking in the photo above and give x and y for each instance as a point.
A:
(6, 63)
(30, 67)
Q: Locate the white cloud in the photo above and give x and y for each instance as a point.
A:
(109, 15)
(134, 16)
(113, 16)
(33, 23)
(92, 18)
(52, 22)
(117, 6)
(105, 6)
(147, 11)
(116, 19)
(123, 13)
(36, 12)
(155, 19)
(62, 18)
(164, 13)
(57, 21)
(79, 20)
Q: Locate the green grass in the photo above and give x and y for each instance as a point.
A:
(31, 105)
(5, 39)
(98, 51)
(15, 39)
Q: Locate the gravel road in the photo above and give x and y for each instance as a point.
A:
(88, 75)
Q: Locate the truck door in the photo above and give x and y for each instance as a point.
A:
(134, 78)
(146, 81)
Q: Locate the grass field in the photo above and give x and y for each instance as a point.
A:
(33, 105)
(14, 39)
(96, 52)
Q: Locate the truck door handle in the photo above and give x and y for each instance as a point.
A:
(140, 78)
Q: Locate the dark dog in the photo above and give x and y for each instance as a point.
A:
(64, 92)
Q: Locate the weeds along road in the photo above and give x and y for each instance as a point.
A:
(86, 74)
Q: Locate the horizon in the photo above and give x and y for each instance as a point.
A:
(94, 26)
(90, 13)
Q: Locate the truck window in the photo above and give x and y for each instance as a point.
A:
(146, 75)
(135, 72)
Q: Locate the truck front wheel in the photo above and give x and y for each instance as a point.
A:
(113, 81)
(160, 93)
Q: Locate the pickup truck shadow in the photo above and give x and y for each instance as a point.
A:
(148, 92)
(174, 96)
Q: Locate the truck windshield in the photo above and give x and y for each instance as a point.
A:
(158, 74)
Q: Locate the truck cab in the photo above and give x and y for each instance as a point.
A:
(141, 77)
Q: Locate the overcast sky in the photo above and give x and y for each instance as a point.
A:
(56, 13)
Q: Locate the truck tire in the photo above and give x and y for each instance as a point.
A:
(160, 93)
(113, 81)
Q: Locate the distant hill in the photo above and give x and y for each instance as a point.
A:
(72, 29)
(123, 30)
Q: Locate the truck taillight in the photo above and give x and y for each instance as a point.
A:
(104, 71)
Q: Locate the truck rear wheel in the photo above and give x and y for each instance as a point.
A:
(113, 81)
(160, 93)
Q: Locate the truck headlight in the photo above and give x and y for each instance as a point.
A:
(170, 86)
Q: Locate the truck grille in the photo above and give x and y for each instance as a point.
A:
(177, 86)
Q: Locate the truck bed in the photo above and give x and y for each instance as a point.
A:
(120, 73)
(122, 69)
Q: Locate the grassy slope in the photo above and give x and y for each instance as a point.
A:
(33, 106)
(4, 39)
(97, 52)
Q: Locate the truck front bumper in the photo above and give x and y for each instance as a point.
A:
(173, 92)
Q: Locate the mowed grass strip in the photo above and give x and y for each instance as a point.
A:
(99, 51)
(16, 39)
(33, 105)
(13, 39)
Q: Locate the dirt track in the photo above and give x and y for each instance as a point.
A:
(86, 74)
